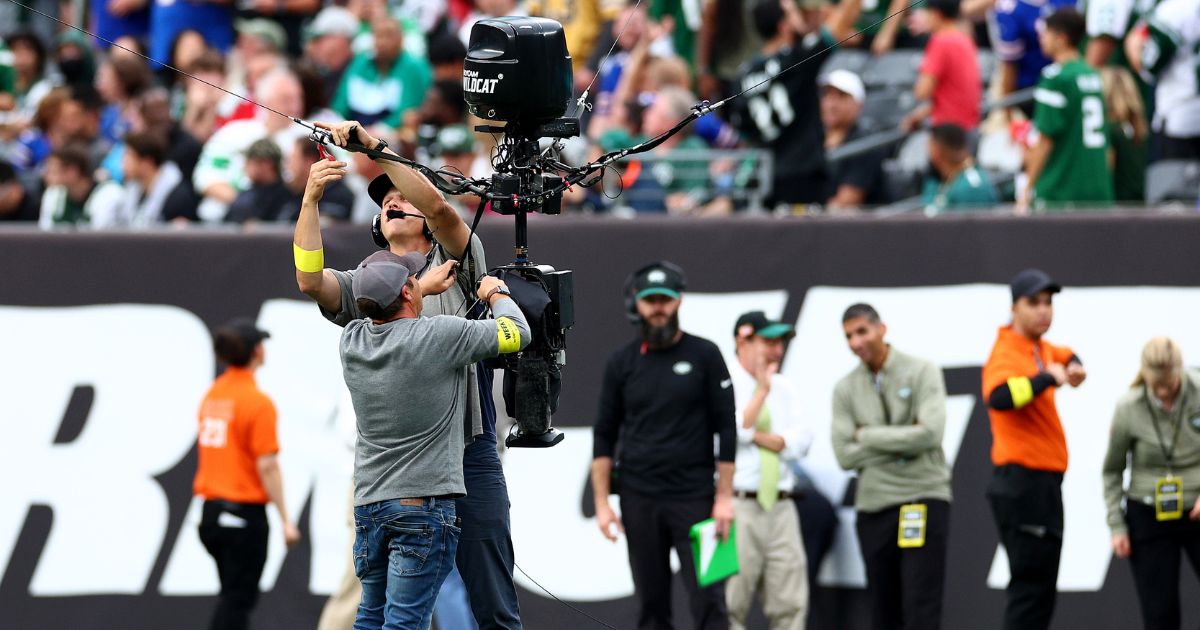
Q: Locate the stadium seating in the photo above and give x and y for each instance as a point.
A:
(897, 69)
(851, 59)
(1173, 180)
(884, 109)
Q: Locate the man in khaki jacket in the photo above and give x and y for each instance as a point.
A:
(888, 417)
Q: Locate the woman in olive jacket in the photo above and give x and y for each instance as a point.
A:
(1156, 433)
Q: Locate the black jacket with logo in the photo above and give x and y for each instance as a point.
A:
(664, 407)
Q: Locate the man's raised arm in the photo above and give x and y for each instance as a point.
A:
(448, 228)
(312, 277)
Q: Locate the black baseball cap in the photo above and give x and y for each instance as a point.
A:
(1031, 282)
(245, 329)
(235, 341)
(658, 280)
(764, 327)
(379, 188)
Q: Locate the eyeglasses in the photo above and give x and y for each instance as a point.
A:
(400, 214)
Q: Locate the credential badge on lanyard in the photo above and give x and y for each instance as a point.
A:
(913, 518)
(1168, 490)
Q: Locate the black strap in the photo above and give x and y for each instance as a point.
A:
(469, 259)
(1168, 453)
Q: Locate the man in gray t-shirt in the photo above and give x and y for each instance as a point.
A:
(407, 377)
(415, 217)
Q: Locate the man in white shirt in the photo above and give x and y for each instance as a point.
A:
(770, 435)
(220, 174)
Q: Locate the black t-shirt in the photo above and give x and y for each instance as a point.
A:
(181, 203)
(185, 150)
(863, 171)
(29, 209)
(665, 406)
(784, 113)
(259, 203)
(336, 203)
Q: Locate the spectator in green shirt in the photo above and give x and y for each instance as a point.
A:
(954, 182)
(379, 86)
(8, 77)
(1069, 163)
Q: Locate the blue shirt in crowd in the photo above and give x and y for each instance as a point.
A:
(1015, 35)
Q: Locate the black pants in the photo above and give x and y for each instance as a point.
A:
(1028, 510)
(798, 188)
(818, 525)
(238, 542)
(1156, 549)
(652, 528)
(904, 586)
(1172, 148)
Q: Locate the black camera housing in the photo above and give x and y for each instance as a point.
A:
(517, 70)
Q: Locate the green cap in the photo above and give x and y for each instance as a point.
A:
(658, 280)
(763, 327)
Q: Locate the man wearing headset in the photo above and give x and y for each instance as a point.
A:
(665, 395)
(414, 217)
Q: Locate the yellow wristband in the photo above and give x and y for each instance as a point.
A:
(308, 261)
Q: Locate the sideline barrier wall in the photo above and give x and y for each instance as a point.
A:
(96, 516)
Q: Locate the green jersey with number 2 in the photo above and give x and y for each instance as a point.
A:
(1069, 111)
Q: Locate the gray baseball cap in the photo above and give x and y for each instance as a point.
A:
(381, 276)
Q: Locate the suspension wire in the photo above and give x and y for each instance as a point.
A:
(582, 101)
(820, 52)
(704, 107)
(161, 63)
(573, 176)
(559, 600)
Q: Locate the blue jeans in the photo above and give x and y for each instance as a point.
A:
(485, 555)
(453, 611)
(402, 553)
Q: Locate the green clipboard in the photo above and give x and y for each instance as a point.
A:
(715, 559)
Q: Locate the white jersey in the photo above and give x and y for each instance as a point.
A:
(1169, 58)
(223, 159)
(1114, 17)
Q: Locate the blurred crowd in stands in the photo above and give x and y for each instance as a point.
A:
(948, 106)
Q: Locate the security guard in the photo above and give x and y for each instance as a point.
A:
(888, 418)
(238, 473)
(1029, 448)
(1156, 428)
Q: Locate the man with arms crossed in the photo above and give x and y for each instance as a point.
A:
(1029, 448)
(414, 217)
(407, 377)
(888, 418)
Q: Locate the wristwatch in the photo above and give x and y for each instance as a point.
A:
(502, 290)
(381, 146)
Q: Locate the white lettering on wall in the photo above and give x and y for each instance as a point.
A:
(149, 366)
